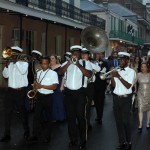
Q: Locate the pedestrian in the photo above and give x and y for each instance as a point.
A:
(143, 95)
(58, 96)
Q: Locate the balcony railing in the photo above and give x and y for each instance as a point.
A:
(63, 9)
(126, 36)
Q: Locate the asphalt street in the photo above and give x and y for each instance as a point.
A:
(101, 137)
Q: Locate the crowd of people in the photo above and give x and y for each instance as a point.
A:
(58, 91)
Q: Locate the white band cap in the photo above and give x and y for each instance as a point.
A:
(75, 48)
(17, 48)
(123, 54)
(37, 52)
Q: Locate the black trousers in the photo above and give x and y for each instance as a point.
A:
(122, 112)
(43, 108)
(75, 103)
(15, 99)
(99, 98)
(90, 94)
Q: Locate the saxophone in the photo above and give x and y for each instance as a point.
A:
(32, 93)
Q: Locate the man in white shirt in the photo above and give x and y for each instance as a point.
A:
(90, 87)
(47, 81)
(122, 81)
(16, 72)
(77, 73)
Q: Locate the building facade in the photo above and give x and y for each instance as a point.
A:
(122, 31)
(140, 8)
(50, 26)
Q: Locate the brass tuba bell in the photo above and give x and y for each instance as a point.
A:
(94, 39)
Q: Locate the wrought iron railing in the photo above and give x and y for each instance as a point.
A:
(64, 9)
(126, 36)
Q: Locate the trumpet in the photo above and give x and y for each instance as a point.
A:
(103, 76)
(74, 59)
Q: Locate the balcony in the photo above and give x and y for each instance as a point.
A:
(126, 37)
(63, 10)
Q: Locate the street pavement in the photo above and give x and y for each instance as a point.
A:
(101, 137)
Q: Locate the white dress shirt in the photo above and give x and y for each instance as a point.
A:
(73, 75)
(16, 74)
(128, 75)
(95, 68)
(47, 77)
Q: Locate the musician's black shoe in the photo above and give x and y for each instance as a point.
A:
(129, 146)
(89, 127)
(99, 121)
(47, 140)
(26, 135)
(123, 146)
(32, 139)
(6, 138)
(73, 143)
(82, 146)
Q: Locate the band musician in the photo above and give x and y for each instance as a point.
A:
(16, 72)
(76, 73)
(47, 81)
(122, 80)
(35, 56)
(90, 87)
(34, 60)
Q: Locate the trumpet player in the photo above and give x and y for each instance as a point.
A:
(47, 81)
(16, 73)
(76, 73)
(90, 87)
(122, 81)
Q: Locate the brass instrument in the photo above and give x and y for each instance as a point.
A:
(94, 39)
(32, 93)
(8, 53)
(74, 59)
(103, 76)
(91, 78)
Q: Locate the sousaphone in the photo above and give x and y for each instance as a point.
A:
(94, 39)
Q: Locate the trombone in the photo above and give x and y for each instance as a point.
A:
(8, 53)
(103, 76)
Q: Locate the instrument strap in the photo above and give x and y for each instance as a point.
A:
(43, 76)
(83, 74)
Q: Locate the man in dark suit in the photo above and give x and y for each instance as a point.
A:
(100, 87)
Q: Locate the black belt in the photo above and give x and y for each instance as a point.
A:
(122, 96)
(16, 89)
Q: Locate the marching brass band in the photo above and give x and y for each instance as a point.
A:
(30, 78)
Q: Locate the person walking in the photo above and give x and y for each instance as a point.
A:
(122, 81)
